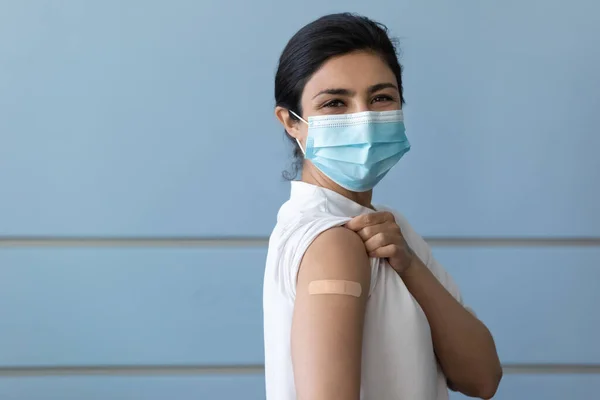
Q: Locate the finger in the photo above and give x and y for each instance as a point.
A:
(368, 232)
(377, 241)
(389, 251)
(389, 228)
(358, 223)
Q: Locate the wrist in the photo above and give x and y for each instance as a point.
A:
(414, 268)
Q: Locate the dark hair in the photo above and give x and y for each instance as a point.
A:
(329, 36)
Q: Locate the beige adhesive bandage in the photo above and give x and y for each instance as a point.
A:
(348, 288)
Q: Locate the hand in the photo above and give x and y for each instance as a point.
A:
(383, 239)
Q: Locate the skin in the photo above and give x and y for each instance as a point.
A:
(356, 73)
(327, 329)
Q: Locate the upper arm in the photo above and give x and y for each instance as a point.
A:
(327, 329)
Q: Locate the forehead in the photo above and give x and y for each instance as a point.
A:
(356, 71)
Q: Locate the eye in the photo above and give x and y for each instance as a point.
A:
(334, 104)
(382, 98)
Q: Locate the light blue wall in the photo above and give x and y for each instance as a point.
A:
(146, 128)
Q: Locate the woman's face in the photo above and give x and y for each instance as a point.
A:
(355, 82)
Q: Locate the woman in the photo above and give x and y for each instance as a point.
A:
(355, 306)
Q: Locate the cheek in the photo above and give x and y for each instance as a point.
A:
(299, 132)
(301, 129)
(303, 134)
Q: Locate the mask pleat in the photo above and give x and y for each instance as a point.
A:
(357, 150)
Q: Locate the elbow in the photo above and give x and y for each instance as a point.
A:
(488, 385)
(482, 385)
(490, 375)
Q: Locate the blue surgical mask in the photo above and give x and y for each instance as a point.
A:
(356, 150)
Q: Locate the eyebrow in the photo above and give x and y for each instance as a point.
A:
(341, 92)
(348, 92)
(381, 86)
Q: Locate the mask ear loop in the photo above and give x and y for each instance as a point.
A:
(303, 120)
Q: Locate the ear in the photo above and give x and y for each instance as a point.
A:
(292, 126)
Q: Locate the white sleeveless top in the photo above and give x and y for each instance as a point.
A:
(398, 361)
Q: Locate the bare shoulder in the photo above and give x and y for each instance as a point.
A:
(337, 253)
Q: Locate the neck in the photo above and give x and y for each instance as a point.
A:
(310, 174)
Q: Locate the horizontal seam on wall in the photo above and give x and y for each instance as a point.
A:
(250, 370)
(8, 241)
(133, 370)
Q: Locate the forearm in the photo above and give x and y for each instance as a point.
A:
(464, 346)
